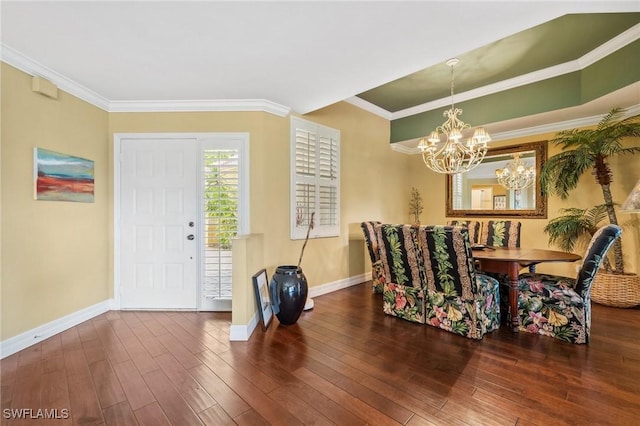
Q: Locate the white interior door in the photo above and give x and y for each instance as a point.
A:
(158, 223)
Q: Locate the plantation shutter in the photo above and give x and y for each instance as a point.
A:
(315, 179)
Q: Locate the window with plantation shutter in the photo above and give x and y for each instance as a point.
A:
(315, 179)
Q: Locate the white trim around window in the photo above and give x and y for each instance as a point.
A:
(315, 179)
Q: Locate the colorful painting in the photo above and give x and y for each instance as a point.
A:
(62, 177)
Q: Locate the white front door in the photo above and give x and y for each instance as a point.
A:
(158, 209)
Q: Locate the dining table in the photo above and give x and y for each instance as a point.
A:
(509, 261)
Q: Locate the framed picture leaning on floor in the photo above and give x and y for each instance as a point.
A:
(261, 287)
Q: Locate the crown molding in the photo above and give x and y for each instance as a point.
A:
(217, 105)
(368, 106)
(403, 149)
(22, 62)
(606, 49)
(34, 68)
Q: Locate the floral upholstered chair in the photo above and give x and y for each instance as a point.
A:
(459, 299)
(403, 294)
(558, 306)
(500, 233)
(474, 228)
(371, 239)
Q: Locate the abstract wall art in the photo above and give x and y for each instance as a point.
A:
(62, 177)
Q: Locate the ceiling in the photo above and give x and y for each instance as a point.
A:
(387, 57)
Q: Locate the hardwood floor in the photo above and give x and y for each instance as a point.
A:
(343, 363)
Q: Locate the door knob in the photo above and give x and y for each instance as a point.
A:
(190, 237)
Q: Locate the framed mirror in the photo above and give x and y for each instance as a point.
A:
(479, 193)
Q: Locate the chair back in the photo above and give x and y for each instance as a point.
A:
(371, 239)
(400, 254)
(472, 225)
(501, 233)
(448, 262)
(599, 245)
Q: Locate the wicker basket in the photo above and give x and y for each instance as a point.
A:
(618, 290)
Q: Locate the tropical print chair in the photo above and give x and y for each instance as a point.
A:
(558, 306)
(500, 233)
(459, 299)
(474, 228)
(403, 294)
(372, 246)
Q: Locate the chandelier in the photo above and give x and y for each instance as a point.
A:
(516, 174)
(455, 155)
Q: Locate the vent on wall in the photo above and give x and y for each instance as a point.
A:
(44, 87)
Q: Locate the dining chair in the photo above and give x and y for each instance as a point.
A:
(559, 306)
(501, 233)
(473, 226)
(459, 299)
(403, 294)
(368, 228)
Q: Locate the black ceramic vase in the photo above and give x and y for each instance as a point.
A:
(288, 288)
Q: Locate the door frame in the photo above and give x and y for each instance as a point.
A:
(242, 138)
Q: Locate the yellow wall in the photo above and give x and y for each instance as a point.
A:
(54, 254)
(368, 192)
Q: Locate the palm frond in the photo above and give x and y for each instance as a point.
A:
(575, 226)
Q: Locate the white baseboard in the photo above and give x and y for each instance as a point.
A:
(243, 332)
(40, 333)
(236, 332)
(319, 290)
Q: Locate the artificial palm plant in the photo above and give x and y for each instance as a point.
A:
(588, 150)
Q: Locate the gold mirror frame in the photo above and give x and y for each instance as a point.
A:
(540, 211)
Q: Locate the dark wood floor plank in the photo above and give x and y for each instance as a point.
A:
(215, 416)
(54, 396)
(247, 369)
(94, 351)
(207, 340)
(133, 385)
(139, 354)
(174, 406)
(26, 390)
(106, 384)
(302, 410)
(344, 399)
(119, 415)
(349, 380)
(188, 387)
(113, 347)
(178, 350)
(148, 340)
(84, 404)
(271, 410)
(151, 415)
(230, 402)
(251, 418)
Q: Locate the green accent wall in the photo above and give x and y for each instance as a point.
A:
(611, 73)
